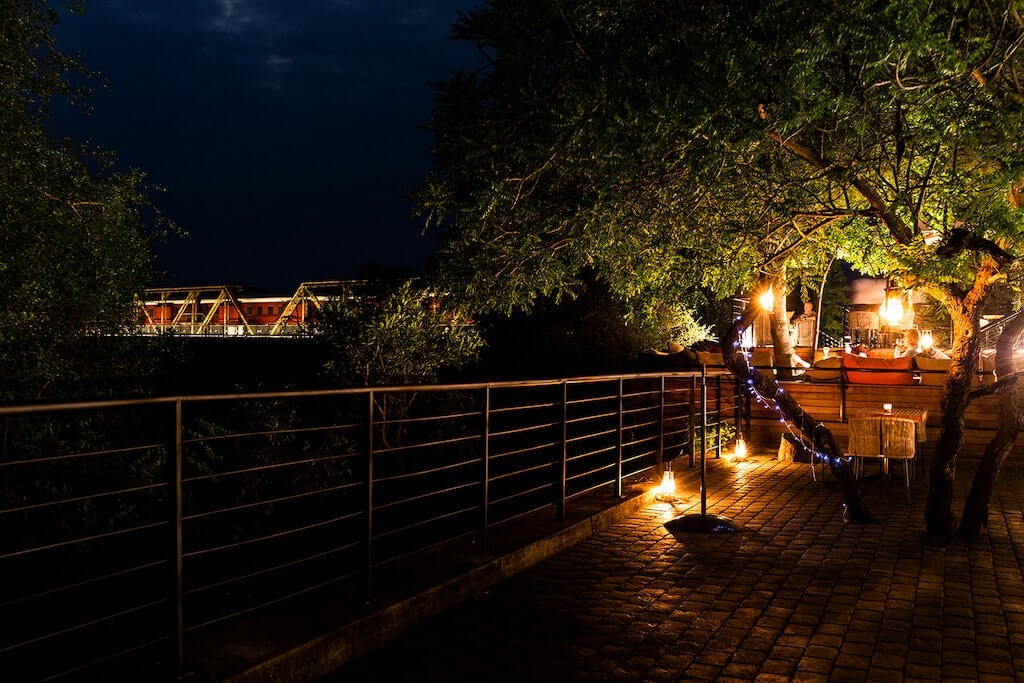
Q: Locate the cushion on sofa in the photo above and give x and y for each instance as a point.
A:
(826, 370)
(868, 370)
(933, 370)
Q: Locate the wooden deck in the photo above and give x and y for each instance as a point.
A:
(832, 403)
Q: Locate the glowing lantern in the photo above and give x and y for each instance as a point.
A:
(667, 489)
(891, 310)
(741, 448)
(766, 300)
(927, 341)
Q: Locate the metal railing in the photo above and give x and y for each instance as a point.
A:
(128, 528)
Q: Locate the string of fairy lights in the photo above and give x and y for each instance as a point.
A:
(772, 405)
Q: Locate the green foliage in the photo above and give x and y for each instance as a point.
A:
(398, 340)
(74, 241)
(675, 150)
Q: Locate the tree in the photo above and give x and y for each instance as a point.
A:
(662, 145)
(75, 234)
(398, 340)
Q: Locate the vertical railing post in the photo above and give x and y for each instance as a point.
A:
(618, 448)
(174, 467)
(660, 466)
(485, 521)
(842, 394)
(693, 418)
(369, 496)
(737, 407)
(563, 484)
(718, 416)
(703, 441)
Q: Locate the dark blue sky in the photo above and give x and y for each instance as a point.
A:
(284, 131)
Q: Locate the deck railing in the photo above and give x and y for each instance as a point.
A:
(128, 527)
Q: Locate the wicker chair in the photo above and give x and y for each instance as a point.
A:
(885, 439)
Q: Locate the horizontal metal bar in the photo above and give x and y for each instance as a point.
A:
(271, 432)
(525, 430)
(268, 537)
(426, 548)
(520, 472)
(268, 603)
(424, 522)
(274, 568)
(106, 658)
(432, 470)
(85, 624)
(87, 454)
(441, 442)
(520, 494)
(425, 496)
(590, 454)
(580, 475)
(79, 499)
(520, 515)
(80, 584)
(523, 408)
(519, 451)
(427, 419)
(590, 418)
(263, 468)
(42, 407)
(591, 435)
(81, 539)
(270, 501)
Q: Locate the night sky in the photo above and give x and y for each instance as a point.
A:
(285, 132)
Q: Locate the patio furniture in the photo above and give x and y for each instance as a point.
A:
(885, 438)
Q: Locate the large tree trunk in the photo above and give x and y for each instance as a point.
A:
(939, 518)
(975, 515)
(821, 437)
(782, 345)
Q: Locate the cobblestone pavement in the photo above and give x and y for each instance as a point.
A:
(797, 595)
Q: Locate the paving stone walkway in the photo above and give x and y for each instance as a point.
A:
(798, 595)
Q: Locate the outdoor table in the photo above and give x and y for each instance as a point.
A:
(918, 415)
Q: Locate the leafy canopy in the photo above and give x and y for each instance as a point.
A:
(75, 233)
(675, 150)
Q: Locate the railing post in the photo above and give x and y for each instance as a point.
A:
(718, 416)
(703, 441)
(661, 428)
(369, 497)
(563, 486)
(174, 468)
(737, 407)
(842, 395)
(618, 449)
(693, 417)
(486, 478)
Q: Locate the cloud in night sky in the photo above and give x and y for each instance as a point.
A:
(284, 132)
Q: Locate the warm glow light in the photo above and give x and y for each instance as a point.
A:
(887, 407)
(741, 449)
(891, 310)
(766, 300)
(667, 489)
(927, 341)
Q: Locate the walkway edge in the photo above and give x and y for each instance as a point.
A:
(327, 653)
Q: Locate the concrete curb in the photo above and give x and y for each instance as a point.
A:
(327, 653)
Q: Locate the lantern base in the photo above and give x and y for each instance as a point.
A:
(698, 523)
